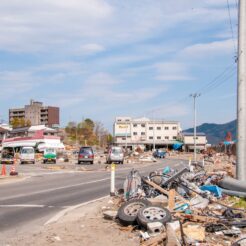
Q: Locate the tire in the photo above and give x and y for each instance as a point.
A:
(33, 162)
(152, 213)
(44, 161)
(79, 162)
(92, 162)
(127, 213)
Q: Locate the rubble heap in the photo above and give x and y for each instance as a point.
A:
(194, 205)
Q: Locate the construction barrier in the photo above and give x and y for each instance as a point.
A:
(3, 172)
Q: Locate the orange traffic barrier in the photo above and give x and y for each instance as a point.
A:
(3, 172)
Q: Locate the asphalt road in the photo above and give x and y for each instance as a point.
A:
(32, 202)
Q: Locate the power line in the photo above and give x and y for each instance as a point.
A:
(230, 21)
(217, 78)
(221, 82)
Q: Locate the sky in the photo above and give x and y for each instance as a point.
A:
(101, 59)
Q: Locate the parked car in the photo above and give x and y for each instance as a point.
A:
(115, 154)
(7, 155)
(86, 154)
(27, 155)
(49, 155)
(159, 153)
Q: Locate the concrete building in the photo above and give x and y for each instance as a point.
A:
(37, 114)
(188, 139)
(145, 133)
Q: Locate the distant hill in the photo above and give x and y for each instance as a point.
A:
(216, 132)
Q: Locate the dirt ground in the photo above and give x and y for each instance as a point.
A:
(83, 226)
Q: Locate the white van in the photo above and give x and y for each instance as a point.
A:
(27, 155)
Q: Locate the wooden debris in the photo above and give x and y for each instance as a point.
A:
(197, 218)
(171, 199)
(155, 240)
(157, 187)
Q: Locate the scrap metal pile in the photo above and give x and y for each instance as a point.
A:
(188, 206)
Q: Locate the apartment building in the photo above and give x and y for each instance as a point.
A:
(37, 114)
(145, 133)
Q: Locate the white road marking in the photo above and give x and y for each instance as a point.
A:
(69, 209)
(54, 189)
(22, 206)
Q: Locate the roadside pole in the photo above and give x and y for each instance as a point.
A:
(241, 93)
(112, 186)
(195, 96)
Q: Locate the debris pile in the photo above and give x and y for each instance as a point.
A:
(188, 206)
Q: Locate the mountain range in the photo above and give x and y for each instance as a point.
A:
(216, 133)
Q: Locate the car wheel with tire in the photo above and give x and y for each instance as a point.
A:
(152, 213)
(127, 213)
(91, 162)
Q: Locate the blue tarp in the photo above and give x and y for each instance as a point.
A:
(177, 146)
(213, 189)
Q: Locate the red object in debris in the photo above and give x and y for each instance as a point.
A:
(228, 137)
(81, 156)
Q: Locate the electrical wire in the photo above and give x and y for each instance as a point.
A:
(224, 79)
(230, 22)
(217, 78)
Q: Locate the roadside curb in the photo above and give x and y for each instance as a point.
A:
(62, 213)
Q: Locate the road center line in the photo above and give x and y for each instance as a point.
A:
(54, 189)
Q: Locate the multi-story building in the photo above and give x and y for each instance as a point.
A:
(37, 114)
(188, 139)
(145, 133)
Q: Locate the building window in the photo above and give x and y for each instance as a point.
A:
(174, 137)
(127, 120)
(135, 125)
(174, 128)
(150, 137)
(150, 128)
(158, 137)
(158, 128)
(124, 138)
(166, 137)
(143, 125)
(166, 128)
(135, 133)
(119, 120)
(142, 133)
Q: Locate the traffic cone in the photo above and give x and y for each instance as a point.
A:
(3, 173)
(13, 171)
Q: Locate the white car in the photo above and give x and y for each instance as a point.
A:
(27, 155)
(115, 154)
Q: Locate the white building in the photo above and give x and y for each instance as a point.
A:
(188, 140)
(145, 133)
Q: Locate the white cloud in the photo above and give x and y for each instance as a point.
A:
(16, 83)
(208, 49)
(102, 89)
(172, 71)
(91, 48)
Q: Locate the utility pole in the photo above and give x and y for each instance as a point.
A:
(241, 93)
(195, 96)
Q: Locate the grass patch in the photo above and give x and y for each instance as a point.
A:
(238, 202)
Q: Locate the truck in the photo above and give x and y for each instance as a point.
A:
(49, 155)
